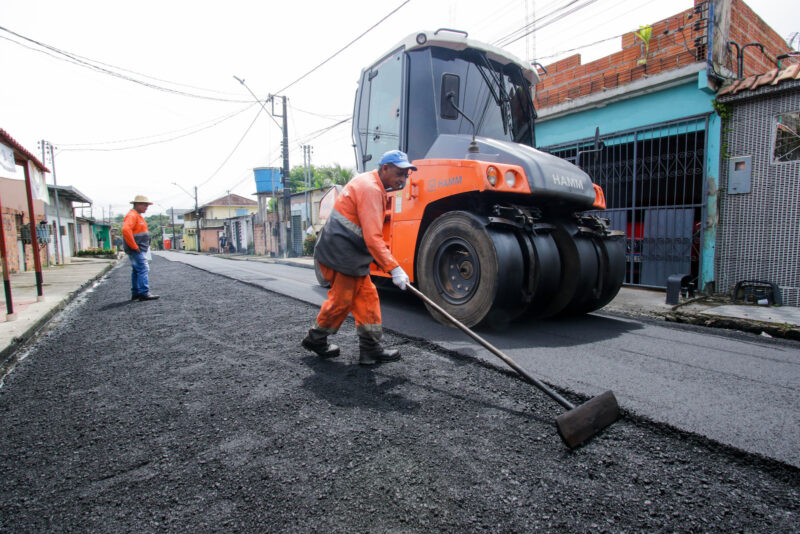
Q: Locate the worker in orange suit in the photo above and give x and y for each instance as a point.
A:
(136, 243)
(351, 239)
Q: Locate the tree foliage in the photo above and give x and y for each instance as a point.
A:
(154, 225)
(324, 176)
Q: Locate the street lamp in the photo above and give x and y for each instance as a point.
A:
(196, 213)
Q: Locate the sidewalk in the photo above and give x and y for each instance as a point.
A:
(60, 284)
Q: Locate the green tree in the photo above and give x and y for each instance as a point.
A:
(324, 176)
(154, 225)
(336, 174)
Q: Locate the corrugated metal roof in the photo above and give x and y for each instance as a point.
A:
(773, 77)
(6, 139)
(233, 199)
(69, 193)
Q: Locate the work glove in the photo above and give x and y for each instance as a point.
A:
(399, 277)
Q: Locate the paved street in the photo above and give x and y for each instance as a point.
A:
(199, 413)
(741, 390)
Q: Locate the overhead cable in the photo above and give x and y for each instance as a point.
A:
(502, 41)
(99, 67)
(345, 47)
(89, 147)
(313, 135)
(232, 151)
(538, 24)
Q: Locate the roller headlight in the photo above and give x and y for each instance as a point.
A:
(492, 175)
(511, 178)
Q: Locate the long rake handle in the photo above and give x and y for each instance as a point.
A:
(494, 350)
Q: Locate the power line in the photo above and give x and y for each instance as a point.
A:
(395, 10)
(678, 30)
(97, 66)
(313, 135)
(234, 149)
(506, 39)
(560, 52)
(77, 146)
(538, 24)
(321, 115)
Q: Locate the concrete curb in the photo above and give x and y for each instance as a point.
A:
(732, 323)
(9, 356)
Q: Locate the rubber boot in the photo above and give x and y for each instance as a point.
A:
(371, 352)
(317, 341)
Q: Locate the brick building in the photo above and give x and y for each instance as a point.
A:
(653, 102)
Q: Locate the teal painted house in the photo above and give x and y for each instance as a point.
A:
(658, 160)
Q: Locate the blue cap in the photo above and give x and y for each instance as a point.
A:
(398, 159)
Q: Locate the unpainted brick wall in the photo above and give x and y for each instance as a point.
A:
(747, 27)
(677, 41)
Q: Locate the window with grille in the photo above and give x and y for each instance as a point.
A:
(787, 137)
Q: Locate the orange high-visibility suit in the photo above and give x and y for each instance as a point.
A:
(350, 240)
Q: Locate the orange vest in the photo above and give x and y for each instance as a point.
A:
(353, 235)
(135, 233)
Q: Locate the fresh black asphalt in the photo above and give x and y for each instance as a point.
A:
(199, 412)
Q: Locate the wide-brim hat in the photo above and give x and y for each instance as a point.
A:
(141, 199)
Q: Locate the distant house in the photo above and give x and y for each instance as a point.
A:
(102, 234)
(211, 221)
(172, 232)
(60, 213)
(309, 210)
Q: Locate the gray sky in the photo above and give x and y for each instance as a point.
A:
(197, 47)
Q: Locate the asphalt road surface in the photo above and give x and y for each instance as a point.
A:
(738, 389)
(199, 412)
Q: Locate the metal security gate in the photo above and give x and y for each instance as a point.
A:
(653, 182)
(297, 235)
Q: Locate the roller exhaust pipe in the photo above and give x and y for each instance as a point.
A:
(575, 426)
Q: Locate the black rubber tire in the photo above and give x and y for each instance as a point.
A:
(611, 252)
(579, 271)
(545, 269)
(473, 272)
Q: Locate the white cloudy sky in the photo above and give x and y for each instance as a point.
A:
(198, 46)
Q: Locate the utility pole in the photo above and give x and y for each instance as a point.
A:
(287, 200)
(197, 218)
(307, 149)
(305, 179)
(287, 195)
(57, 237)
(172, 209)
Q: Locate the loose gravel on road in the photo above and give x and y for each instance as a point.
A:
(199, 412)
